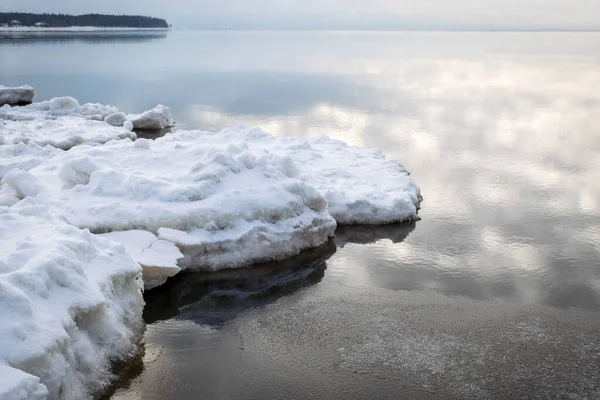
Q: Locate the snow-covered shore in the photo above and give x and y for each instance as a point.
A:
(86, 207)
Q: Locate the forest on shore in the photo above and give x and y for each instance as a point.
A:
(66, 20)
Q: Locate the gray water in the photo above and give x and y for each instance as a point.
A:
(495, 293)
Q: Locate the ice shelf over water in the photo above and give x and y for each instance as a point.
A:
(71, 300)
(360, 185)
(70, 303)
(221, 204)
(157, 257)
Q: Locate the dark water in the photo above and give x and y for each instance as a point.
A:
(494, 294)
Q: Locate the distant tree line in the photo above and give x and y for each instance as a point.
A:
(65, 20)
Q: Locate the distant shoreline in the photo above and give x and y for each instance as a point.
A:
(75, 29)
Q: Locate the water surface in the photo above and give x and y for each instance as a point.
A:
(494, 294)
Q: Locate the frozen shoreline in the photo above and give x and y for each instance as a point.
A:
(110, 207)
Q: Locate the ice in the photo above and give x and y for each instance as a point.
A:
(24, 156)
(221, 204)
(116, 119)
(158, 258)
(361, 186)
(57, 107)
(158, 118)
(62, 133)
(16, 95)
(70, 304)
(19, 385)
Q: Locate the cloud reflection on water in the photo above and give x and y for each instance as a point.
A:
(507, 153)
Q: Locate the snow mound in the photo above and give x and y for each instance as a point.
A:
(24, 156)
(158, 258)
(16, 95)
(221, 204)
(159, 117)
(116, 119)
(70, 303)
(19, 385)
(361, 186)
(63, 133)
(57, 107)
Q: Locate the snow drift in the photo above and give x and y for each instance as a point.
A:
(222, 205)
(62, 133)
(159, 117)
(361, 186)
(70, 303)
(24, 156)
(225, 199)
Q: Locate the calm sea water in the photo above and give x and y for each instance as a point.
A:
(494, 294)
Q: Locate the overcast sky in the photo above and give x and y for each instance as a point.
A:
(371, 14)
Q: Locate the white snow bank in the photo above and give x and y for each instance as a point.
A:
(57, 107)
(360, 185)
(24, 156)
(221, 204)
(16, 95)
(62, 133)
(159, 117)
(116, 119)
(70, 302)
(158, 258)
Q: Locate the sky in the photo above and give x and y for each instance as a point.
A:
(340, 14)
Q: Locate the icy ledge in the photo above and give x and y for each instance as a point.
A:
(221, 204)
(16, 95)
(224, 199)
(70, 303)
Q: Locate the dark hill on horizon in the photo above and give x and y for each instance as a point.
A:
(66, 20)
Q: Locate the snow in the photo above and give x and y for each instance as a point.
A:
(225, 199)
(16, 95)
(57, 107)
(24, 156)
(70, 303)
(361, 186)
(19, 385)
(159, 117)
(221, 204)
(158, 258)
(70, 299)
(62, 133)
(116, 119)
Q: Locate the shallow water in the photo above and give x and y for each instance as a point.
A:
(494, 294)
